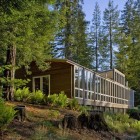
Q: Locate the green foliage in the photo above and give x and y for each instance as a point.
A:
(58, 99)
(110, 25)
(129, 41)
(122, 123)
(52, 99)
(138, 106)
(95, 36)
(53, 114)
(72, 39)
(40, 133)
(47, 123)
(6, 115)
(84, 109)
(73, 104)
(36, 97)
(27, 28)
(132, 110)
(22, 94)
(136, 126)
(62, 99)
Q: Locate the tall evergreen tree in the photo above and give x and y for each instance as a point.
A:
(129, 42)
(81, 50)
(26, 29)
(110, 24)
(71, 40)
(96, 33)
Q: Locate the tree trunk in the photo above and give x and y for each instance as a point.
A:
(96, 50)
(9, 74)
(111, 51)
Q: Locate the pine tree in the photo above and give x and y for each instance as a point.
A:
(96, 33)
(26, 30)
(110, 24)
(71, 41)
(81, 50)
(129, 51)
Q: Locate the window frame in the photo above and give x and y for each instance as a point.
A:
(41, 82)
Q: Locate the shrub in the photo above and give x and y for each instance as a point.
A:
(134, 113)
(62, 99)
(136, 126)
(40, 133)
(54, 114)
(84, 109)
(138, 107)
(22, 94)
(25, 93)
(73, 104)
(124, 118)
(18, 95)
(52, 99)
(36, 97)
(57, 99)
(6, 115)
(122, 123)
(132, 110)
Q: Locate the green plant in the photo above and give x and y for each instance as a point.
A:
(25, 93)
(136, 126)
(124, 118)
(138, 107)
(47, 124)
(84, 109)
(52, 99)
(73, 104)
(62, 99)
(7, 114)
(36, 97)
(40, 133)
(18, 95)
(22, 94)
(121, 123)
(132, 110)
(53, 114)
(57, 99)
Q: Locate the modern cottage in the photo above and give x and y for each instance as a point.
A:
(106, 91)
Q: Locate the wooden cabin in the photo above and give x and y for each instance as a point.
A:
(106, 91)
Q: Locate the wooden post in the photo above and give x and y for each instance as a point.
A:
(83, 85)
(94, 78)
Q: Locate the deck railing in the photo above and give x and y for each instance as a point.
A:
(92, 88)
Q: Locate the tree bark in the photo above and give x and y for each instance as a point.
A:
(9, 74)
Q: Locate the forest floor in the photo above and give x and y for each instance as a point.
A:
(39, 126)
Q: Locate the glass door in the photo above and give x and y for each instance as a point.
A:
(37, 84)
(42, 83)
(45, 84)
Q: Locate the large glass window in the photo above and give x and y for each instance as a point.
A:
(97, 87)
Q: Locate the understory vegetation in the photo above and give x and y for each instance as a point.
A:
(122, 123)
(44, 121)
(57, 100)
(7, 114)
(45, 118)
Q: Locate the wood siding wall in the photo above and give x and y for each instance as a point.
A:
(61, 78)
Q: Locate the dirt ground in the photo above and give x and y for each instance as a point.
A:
(38, 126)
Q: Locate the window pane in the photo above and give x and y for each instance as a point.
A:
(76, 77)
(37, 83)
(46, 85)
(76, 93)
